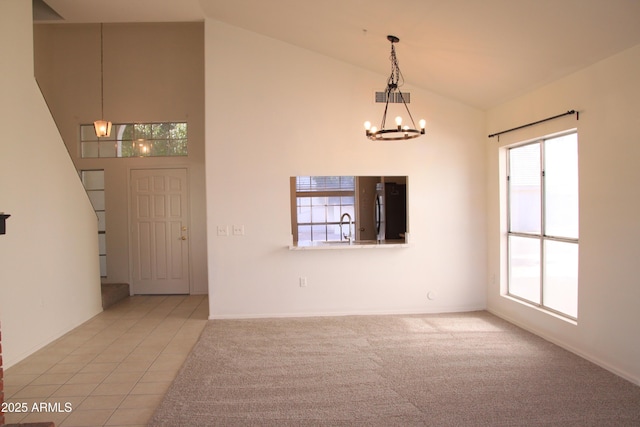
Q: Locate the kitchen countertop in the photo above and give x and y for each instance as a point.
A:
(364, 244)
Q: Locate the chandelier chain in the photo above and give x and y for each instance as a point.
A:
(395, 79)
(101, 73)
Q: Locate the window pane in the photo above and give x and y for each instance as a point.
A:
(318, 232)
(160, 147)
(333, 200)
(93, 180)
(561, 277)
(304, 214)
(97, 199)
(102, 244)
(178, 131)
(107, 149)
(524, 189)
(178, 147)
(102, 223)
(89, 149)
(303, 183)
(88, 133)
(124, 132)
(103, 266)
(333, 213)
(347, 200)
(160, 130)
(350, 210)
(524, 268)
(333, 232)
(142, 131)
(126, 149)
(141, 148)
(318, 209)
(561, 186)
(304, 233)
(325, 183)
(348, 182)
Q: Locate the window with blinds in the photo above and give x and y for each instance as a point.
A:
(320, 203)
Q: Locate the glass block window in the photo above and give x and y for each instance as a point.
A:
(135, 140)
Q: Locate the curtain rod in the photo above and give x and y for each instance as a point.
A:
(535, 123)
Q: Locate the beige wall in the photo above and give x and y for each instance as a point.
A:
(152, 73)
(274, 111)
(49, 274)
(607, 96)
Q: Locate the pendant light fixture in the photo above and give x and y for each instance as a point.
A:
(399, 132)
(102, 127)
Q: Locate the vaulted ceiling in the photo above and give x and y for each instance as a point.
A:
(480, 52)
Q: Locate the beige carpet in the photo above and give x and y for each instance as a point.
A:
(464, 369)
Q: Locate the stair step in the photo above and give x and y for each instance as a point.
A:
(113, 293)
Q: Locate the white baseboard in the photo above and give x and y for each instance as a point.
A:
(585, 355)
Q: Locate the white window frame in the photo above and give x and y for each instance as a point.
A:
(131, 140)
(319, 193)
(96, 194)
(542, 237)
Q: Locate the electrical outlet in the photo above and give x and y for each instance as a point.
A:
(238, 230)
(303, 282)
(223, 230)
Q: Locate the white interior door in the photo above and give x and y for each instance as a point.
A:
(159, 217)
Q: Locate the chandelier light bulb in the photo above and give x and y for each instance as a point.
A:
(423, 123)
(367, 125)
(398, 121)
(374, 129)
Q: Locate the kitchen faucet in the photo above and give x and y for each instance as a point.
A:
(349, 236)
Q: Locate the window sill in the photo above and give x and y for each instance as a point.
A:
(542, 309)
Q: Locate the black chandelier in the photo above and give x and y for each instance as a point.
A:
(399, 132)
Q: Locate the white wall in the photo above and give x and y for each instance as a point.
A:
(274, 110)
(49, 273)
(607, 96)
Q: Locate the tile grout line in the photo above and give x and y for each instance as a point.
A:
(108, 321)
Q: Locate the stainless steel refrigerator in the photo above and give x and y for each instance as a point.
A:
(391, 211)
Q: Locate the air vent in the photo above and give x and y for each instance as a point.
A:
(395, 97)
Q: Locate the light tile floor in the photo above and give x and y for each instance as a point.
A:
(114, 369)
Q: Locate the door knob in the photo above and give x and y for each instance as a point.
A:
(183, 238)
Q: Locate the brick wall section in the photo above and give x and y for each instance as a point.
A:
(1, 381)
